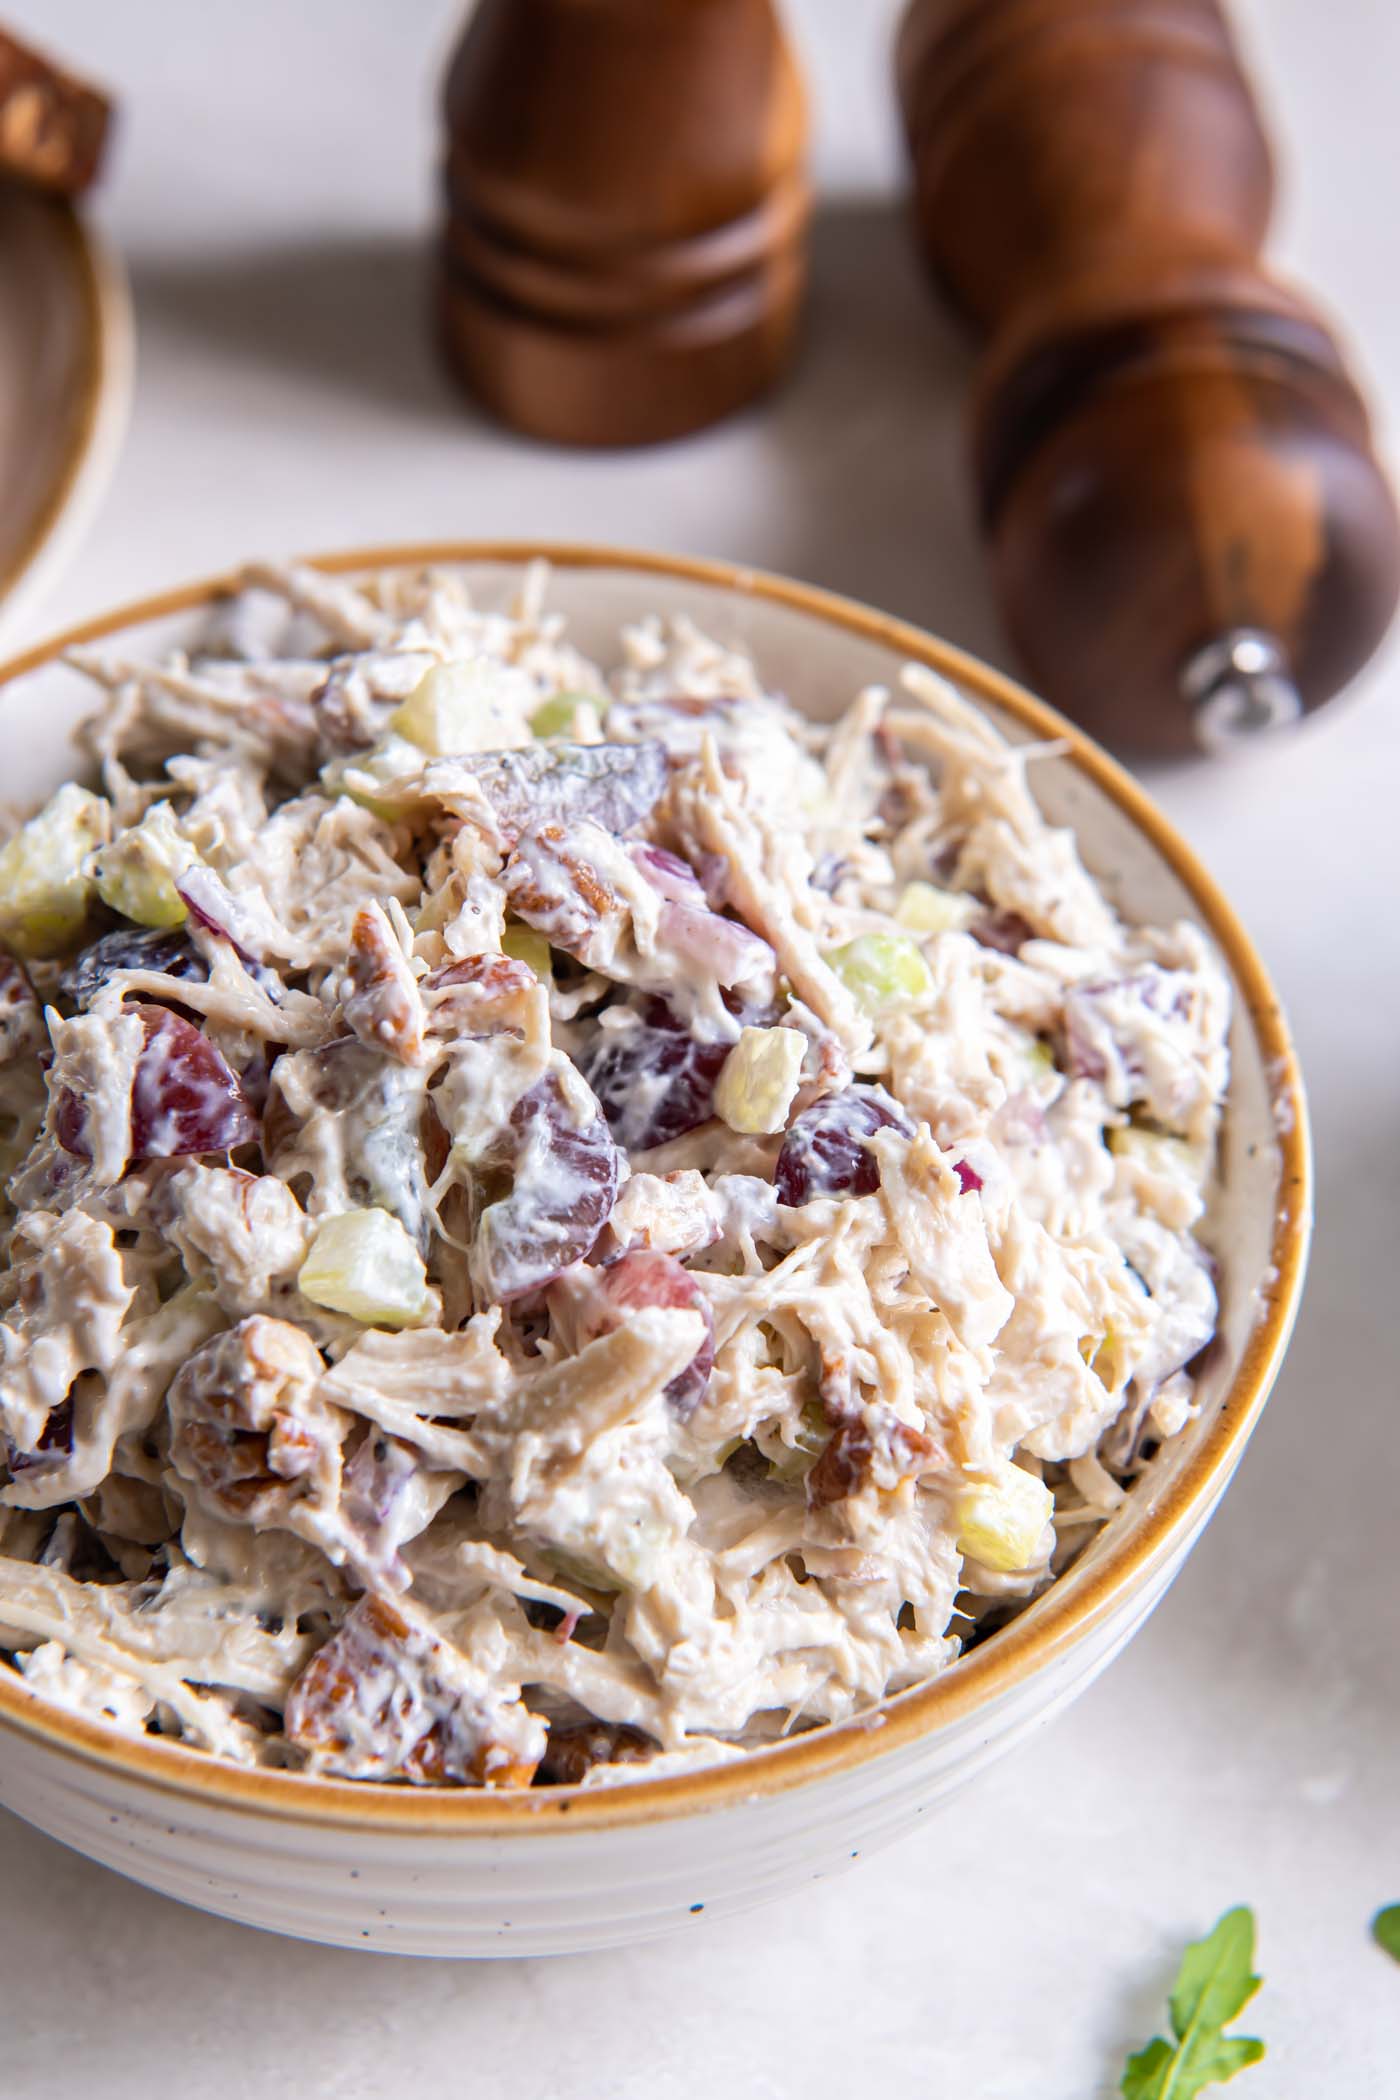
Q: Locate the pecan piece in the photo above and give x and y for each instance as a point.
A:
(387, 1698)
(857, 1457)
(248, 1431)
(479, 995)
(380, 998)
(574, 1751)
(556, 882)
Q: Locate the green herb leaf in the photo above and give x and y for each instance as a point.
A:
(1143, 2078)
(1385, 1930)
(1213, 1986)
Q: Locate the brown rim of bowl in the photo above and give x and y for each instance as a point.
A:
(1048, 1629)
(89, 271)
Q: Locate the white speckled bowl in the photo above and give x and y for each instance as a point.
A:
(553, 1870)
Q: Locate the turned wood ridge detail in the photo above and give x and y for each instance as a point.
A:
(623, 258)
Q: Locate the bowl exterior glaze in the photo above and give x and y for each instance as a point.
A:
(547, 1889)
(417, 1871)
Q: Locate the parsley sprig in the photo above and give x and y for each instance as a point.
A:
(1213, 1986)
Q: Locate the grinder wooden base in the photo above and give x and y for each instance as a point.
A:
(637, 381)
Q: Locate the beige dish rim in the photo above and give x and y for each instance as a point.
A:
(1056, 1622)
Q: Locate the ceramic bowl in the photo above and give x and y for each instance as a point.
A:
(65, 385)
(551, 1870)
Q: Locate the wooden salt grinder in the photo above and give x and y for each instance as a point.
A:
(1191, 536)
(623, 258)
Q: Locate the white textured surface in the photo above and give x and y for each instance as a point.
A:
(268, 192)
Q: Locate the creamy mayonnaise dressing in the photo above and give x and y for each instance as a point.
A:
(561, 1221)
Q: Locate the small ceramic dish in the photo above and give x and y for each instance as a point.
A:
(65, 383)
(464, 1872)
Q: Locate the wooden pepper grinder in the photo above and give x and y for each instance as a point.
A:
(1191, 536)
(623, 259)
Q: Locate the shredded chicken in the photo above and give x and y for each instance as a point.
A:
(562, 1222)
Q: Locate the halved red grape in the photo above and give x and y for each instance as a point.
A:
(642, 1276)
(173, 954)
(654, 1082)
(564, 1183)
(826, 1150)
(668, 873)
(706, 945)
(714, 946)
(713, 872)
(184, 1097)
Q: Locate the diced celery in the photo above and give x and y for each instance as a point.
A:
(363, 1263)
(759, 1078)
(137, 873)
(473, 705)
(814, 796)
(1026, 1061)
(635, 1547)
(1160, 1153)
(625, 1549)
(577, 1571)
(924, 909)
(1100, 1353)
(556, 715)
(810, 1436)
(882, 971)
(45, 888)
(694, 1462)
(531, 948)
(363, 774)
(1002, 1516)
